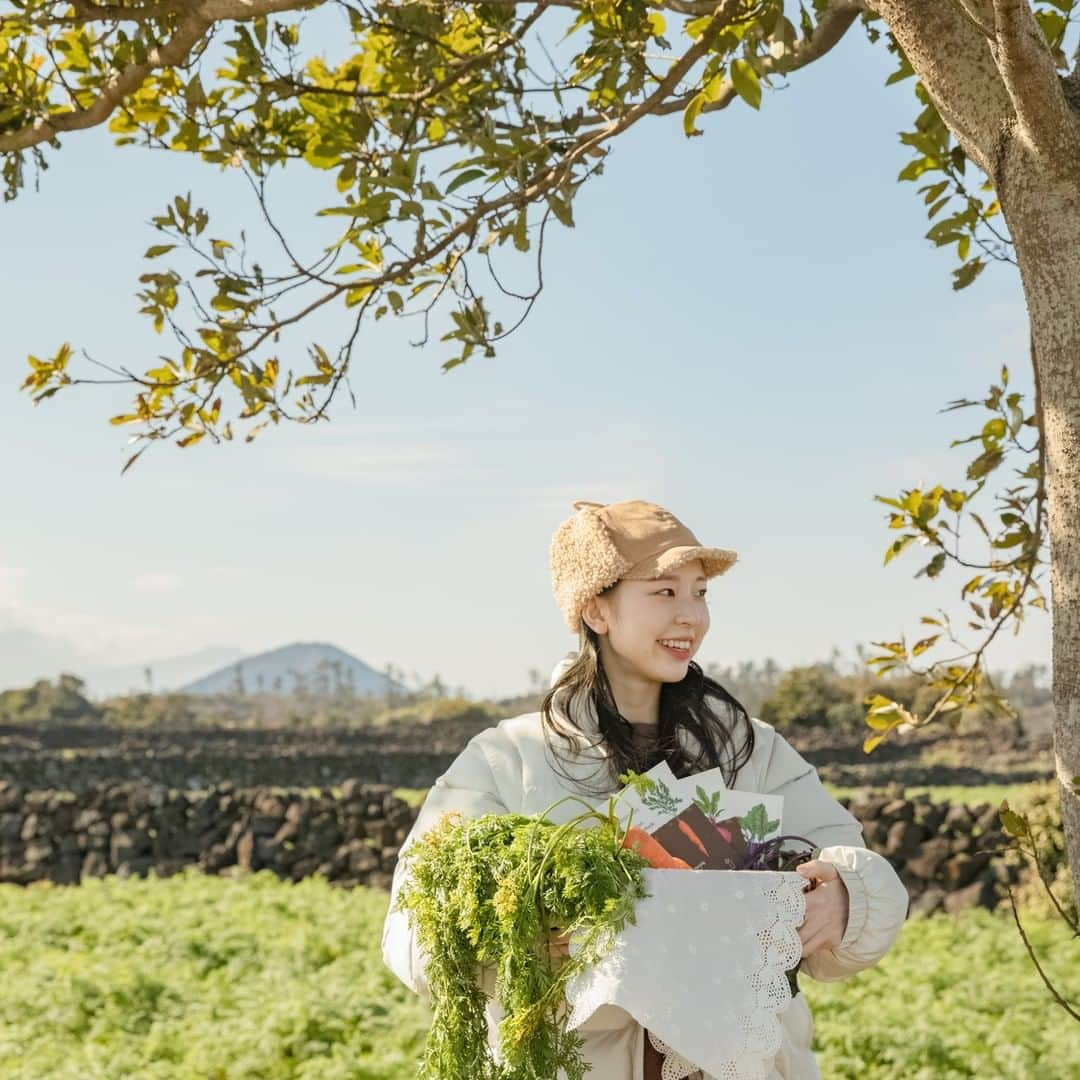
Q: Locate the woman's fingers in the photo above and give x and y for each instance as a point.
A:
(826, 916)
(559, 944)
(811, 924)
(818, 871)
(817, 942)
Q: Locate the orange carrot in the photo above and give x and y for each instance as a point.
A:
(652, 850)
(692, 837)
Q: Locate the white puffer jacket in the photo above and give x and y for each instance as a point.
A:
(507, 769)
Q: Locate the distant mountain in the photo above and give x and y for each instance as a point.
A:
(315, 667)
(167, 673)
(26, 656)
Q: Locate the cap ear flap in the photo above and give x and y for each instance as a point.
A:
(583, 562)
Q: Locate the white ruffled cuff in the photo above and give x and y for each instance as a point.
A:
(878, 904)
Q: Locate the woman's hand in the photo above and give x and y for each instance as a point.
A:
(826, 907)
(559, 943)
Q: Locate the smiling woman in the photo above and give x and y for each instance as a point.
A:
(625, 629)
(631, 581)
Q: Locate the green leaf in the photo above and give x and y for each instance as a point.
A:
(464, 178)
(904, 71)
(964, 275)
(158, 249)
(745, 80)
(1014, 824)
(934, 567)
(696, 27)
(898, 546)
(984, 464)
(561, 208)
(521, 235)
(758, 823)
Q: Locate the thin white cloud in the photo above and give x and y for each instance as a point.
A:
(368, 464)
(922, 470)
(158, 583)
(11, 579)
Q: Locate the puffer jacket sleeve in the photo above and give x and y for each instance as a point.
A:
(477, 782)
(878, 902)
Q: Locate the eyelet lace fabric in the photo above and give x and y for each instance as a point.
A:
(675, 1066)
(703, 968)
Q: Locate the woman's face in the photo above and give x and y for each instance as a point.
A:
(636, 617)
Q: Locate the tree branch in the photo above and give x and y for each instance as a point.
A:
(1035, 960)
(833, 26)
(588, 143)
(189, 32)
(952, 58)
(1027, 66)
(172, 54)
(86, 11)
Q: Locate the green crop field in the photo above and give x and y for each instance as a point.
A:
(970, 794)
(208, 978)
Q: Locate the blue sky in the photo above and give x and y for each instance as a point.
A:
(748, 328)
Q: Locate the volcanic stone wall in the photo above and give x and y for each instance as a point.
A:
(945, 854)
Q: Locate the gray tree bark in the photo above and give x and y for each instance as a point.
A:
(986, 66)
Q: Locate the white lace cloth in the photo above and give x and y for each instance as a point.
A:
(703, 969)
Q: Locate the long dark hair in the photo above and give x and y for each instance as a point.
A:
(725, 742)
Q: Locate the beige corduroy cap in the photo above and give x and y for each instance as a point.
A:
(602, 544)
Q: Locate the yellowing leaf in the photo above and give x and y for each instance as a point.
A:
(881, 722)
(745, 80)
(924, 644)
(872, 742)
(691, 113)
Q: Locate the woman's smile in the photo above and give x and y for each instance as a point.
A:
(681, 654)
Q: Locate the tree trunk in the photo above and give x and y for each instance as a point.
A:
(986, 66)
(1043, 213)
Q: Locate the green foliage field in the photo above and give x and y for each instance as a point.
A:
(967, 794)
(205, 978)
(197, 977)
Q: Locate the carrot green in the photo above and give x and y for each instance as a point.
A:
(486, 892)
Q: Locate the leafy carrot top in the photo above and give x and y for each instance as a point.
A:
(485, 893)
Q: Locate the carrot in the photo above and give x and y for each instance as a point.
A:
(692, 837)
(652, 850)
